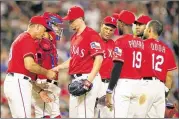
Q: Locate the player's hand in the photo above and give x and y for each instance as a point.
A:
(44, 96)
(57, 68)
(51, 74)
(108, 101)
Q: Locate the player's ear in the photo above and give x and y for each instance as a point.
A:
(101, 26)
(149, 29)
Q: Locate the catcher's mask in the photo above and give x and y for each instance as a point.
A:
(54, 23)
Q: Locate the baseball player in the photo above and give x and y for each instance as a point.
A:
(108, 27)
(159, 62)
(86, 53)
(127, 59)
(171, 110)
(46, 56)
(21, 68)
(141, 23)
(117, 32)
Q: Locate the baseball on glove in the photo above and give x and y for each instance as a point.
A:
(80, 87)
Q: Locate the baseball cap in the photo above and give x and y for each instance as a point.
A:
(110, 20)
(115, 15)
(74, 13)
(127, 17)
(39, 20)
(143, 19)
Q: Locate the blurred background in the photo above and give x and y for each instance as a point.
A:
(15, 16)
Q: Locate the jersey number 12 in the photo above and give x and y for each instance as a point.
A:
(156, 62)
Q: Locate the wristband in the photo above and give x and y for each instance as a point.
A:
(109, 91)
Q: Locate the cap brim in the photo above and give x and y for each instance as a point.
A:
(110, 23)
(137, 22)
(65, 18)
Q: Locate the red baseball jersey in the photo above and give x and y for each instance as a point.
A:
(129, 49)
(107, 65)
(83, 49)
(158, 59)
(46, 54)
(24, 45)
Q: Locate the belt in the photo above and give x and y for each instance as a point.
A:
(25, 77)
(105, 80)
(47, 81)
(53, 82)
(75, 75)
(149, 78)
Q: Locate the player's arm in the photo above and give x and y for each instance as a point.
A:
(171, 66)
(168, 82)
(116, 71)
(64, 65)
(169, 79)
(96, 67)
(43, 94)
(114, 75)
(33, 67)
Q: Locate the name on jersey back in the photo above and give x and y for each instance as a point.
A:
(136, 44)
(157, 47)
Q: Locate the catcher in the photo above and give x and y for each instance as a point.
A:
(46, 56)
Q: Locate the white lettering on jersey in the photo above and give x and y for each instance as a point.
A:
(77, 51)
(157, 47)
(136, 44)
(109, 54)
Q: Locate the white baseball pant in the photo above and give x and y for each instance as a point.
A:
(152, 99)
(83, 106)
(42, 109)
(101, 110)
(18, 90)
(126, 96)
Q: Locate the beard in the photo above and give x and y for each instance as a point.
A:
(120, 32)
(144, 37)
(140, 35)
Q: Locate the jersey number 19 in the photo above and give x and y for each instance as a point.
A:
(137, 59)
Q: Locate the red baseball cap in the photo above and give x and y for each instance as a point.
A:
(74, 13)
(143, 19)
(115, 15)
(127, 17)
(39, 20)
(110, 20)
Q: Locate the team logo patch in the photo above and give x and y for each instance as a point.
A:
(117, 51)
(95, 45)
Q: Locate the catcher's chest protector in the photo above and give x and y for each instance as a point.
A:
(46, 50)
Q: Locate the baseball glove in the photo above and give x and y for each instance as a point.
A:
(80, 87)
(101, 100)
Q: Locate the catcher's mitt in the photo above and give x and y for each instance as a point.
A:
(80, 87)
(101, 100)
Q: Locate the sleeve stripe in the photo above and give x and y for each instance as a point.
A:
(172, 68)
(97, 53)
(118, 60)
(30, 53)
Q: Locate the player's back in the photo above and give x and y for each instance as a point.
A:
(158, 59)
(129, 50)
